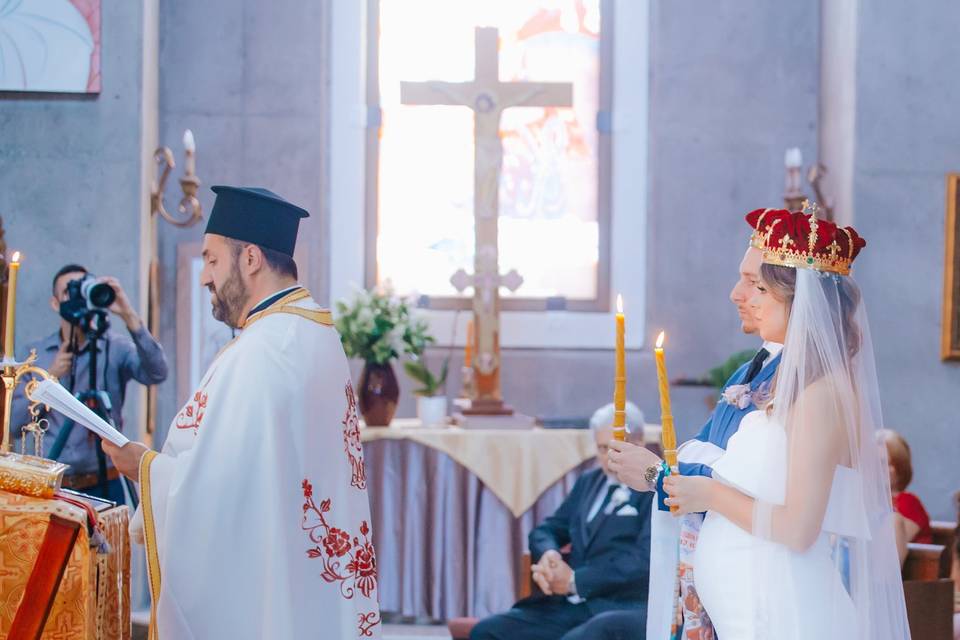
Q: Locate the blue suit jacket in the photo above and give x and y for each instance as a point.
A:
(723, 423)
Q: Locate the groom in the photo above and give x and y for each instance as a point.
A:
(639, 468)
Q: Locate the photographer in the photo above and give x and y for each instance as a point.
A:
(82, 302)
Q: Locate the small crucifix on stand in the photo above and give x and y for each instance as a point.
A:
(487, 97)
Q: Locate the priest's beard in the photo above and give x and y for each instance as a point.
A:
(229, 299)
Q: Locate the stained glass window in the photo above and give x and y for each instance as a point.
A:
(550, 219)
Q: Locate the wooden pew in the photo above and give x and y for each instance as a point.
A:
(525, 584)
(929, 608)
(945, 533)
(928, 591)
(926, 562)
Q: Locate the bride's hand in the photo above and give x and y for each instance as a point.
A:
(691, 494)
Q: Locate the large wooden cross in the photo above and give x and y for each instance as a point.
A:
(487, 96)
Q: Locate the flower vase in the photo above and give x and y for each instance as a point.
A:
(379, 393)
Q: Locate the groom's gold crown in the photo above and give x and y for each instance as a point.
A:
(800, 240)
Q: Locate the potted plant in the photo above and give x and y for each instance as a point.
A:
(377, 327)
(719, 375)
(431, 401)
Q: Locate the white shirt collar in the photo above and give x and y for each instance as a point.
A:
(774, 349)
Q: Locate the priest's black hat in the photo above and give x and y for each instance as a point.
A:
(255, 215)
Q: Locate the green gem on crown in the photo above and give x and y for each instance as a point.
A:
(809, 260)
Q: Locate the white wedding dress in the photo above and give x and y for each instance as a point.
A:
(746, 582)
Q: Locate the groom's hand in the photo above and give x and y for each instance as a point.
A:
(629, 462)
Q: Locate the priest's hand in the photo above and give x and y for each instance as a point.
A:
(126, 458)
(691, 494)
(630, 462)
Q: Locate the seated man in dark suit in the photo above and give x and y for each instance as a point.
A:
(600, 590)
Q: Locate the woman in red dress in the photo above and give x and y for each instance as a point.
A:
(913, 523)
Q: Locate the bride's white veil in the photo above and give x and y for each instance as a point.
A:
(826, 398)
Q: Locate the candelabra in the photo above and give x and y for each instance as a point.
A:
(189, 183)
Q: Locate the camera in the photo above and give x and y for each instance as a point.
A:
(85, 298)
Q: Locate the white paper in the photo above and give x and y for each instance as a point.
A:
(55, 396)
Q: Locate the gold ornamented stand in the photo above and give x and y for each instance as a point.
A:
(65, 585)
(21, 473)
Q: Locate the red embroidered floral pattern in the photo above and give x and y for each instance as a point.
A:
(336, 542)
(364, 563)
(367, 622)
(192, 413)
(332, 543)
(351, 441)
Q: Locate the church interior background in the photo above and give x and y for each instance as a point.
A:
(661, 125)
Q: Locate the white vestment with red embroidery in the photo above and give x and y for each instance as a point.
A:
(258, 503)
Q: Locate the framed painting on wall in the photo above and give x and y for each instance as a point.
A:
(950, 337)
(50, 46)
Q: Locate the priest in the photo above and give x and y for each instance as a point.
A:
(255, 513)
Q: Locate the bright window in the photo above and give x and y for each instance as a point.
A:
(553, 229)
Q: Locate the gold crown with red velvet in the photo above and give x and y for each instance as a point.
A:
(800, 240)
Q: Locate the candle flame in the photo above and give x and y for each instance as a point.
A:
(660, 340)
(16, 257)
(619, 303)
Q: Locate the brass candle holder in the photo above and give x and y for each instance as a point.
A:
(189, 206)
(19, 472)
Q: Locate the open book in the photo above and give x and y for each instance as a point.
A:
(55, 396)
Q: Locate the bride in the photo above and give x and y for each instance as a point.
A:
(798, 541)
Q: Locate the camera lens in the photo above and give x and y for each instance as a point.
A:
(102, 295)
(99, 294)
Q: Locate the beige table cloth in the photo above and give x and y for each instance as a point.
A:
(517, 465)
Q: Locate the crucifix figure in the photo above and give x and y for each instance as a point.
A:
(487, 96)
